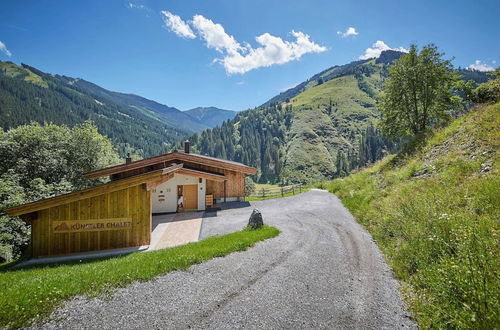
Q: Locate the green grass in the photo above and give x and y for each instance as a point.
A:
(32, 293)
(317, 134)
(435, 216)
(260, 186)
(14, 71)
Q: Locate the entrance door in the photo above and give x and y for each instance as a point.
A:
(190, 194)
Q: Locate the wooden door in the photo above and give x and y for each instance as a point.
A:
(190, 194)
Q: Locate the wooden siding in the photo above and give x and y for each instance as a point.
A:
(235, 186)
(132, 202)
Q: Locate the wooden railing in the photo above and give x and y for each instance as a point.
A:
(277, 192)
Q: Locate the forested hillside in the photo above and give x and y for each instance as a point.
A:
(322, 128)
(132, 122)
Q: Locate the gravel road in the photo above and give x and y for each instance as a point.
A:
(323, 271)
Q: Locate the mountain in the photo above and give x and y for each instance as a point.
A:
(147, 107)
(433, 211)
(132, 122)
(211, 116)
(322, 128)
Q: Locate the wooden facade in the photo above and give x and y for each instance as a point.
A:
(131, 204)
(118, 214)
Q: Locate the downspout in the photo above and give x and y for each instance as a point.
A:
(225, 190)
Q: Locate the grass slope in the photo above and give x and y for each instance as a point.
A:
(327, 118)
(31, 294)
(10, 69)
(435, 216)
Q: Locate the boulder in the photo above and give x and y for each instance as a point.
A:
(255, 220)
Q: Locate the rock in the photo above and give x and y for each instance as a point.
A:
(255, 221)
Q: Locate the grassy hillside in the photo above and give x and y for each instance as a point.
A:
(434, 214)
(12, 70)
(331, 117)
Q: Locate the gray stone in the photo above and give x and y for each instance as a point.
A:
(255, 220)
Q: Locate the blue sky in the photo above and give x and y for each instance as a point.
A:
(205, 53)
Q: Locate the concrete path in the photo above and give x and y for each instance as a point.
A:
(175, 229)
(324, 271)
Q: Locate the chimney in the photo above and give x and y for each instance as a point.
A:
(186, 147)
(128, 160)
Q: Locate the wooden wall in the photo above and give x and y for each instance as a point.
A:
(235, 185)
(133, 203)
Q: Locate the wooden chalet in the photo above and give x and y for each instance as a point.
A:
(118, 214)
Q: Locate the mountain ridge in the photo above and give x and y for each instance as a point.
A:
(134, 123)
(211, 116)
(322, 128)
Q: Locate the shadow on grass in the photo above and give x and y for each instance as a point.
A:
(11, 267)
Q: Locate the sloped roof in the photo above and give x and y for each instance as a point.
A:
(91, 192)
(176, 155)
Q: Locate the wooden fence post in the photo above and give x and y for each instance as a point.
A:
(282, 192)
(293, 189)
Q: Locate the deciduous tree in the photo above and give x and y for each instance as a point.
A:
(418, 92)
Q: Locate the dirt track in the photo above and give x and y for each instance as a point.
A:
(322, 271)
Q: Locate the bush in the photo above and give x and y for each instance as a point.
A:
(249, 186)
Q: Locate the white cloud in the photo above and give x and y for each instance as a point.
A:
(378, 47)
(274, 50)
(134, 6)
(240, 83)
(4, 49)
(349, 32)
(238, 58)
(215, 36)
(177, 25)
(480, 66)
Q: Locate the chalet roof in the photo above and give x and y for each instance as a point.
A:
(176, 155)
(149, 177)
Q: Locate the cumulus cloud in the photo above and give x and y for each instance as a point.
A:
(238, 58)
(349, 32)
(175, 24)
(274, 50)
(480, 66)
(215, 36)
(378, 47)
(4, 49)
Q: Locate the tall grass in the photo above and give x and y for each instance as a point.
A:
(435, 215)
(32, 293)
